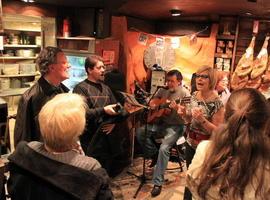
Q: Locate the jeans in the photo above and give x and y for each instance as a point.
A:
(171, 134)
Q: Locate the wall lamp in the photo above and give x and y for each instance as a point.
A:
(175, 12)
(28, 1)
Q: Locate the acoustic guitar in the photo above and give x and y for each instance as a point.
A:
(162, 108)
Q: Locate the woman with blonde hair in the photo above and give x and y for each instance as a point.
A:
(204, 114)
(235, 164)
(56, 168)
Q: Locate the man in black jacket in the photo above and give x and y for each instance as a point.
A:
(44, 178)
(55, 168)
(98, 139)
(53, 66)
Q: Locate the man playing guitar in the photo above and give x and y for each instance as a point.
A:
(168, 123)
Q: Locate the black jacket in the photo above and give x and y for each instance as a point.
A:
(34, 176)
(31, 102)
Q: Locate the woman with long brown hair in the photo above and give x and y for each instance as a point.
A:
(235, 164)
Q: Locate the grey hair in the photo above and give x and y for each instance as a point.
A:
(46, 57)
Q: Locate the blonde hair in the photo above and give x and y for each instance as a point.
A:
(62, 120)
(211, 73)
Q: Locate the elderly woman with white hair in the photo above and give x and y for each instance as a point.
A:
(55, 169)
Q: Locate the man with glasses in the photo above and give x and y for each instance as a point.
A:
(53, 66)
(95, 140)
(170, 125)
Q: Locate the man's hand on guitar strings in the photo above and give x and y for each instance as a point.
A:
(173, 105)
(181, 110)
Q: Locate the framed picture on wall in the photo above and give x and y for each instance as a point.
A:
(108, 56)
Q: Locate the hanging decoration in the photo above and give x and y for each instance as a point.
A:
(175, 41)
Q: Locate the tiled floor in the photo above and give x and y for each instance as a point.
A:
(125, 185)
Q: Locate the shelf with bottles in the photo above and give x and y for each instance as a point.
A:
(19, 37)
(21, 45)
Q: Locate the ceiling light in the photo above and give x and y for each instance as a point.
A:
(28, 1)
(248, 13)
(175, 12)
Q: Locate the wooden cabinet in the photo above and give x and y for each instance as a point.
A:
(224, 52)
(21, 45)
(226, 44)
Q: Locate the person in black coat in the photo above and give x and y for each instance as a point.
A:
(53, 66)
(57, 168)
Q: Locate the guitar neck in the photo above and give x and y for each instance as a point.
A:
(182, 101)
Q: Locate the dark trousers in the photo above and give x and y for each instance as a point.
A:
(189, 153)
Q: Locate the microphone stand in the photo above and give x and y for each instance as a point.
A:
(142, 177)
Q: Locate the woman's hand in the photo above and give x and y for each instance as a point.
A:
(197, 114)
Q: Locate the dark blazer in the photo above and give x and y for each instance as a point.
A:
(34, 176)
(30, 104)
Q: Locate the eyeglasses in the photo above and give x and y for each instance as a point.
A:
(204, 76)
(101, 66)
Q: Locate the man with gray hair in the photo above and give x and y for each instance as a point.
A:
(53, 66)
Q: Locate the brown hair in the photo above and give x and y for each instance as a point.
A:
(91, 61)
(211, 73)
(46, 57)
(239, 148)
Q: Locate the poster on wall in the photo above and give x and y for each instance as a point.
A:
(108, 56)
(175, 42)
(143, 38)
(160, 42)
(164, 57)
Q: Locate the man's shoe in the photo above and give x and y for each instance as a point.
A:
(156, 190)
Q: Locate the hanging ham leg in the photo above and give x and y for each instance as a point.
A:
(244, 66)
(260, 63)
